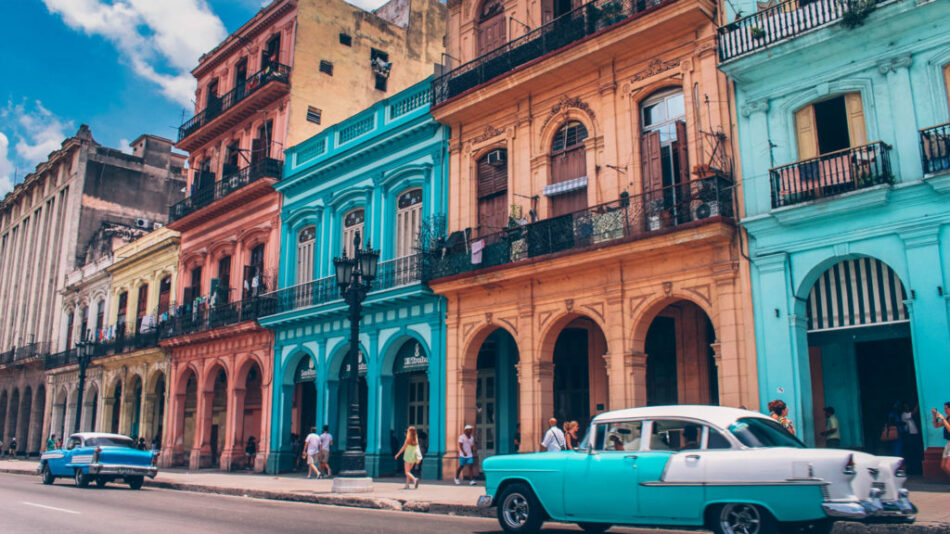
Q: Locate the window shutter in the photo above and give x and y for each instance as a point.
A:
(805, 132)
(681, 151)
(547, 11)
(856, 130)
(946, 80)
(650, 161)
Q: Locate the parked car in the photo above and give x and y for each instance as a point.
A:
(99, 457)
(734, 471)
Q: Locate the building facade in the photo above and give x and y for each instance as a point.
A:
(591, 260)
(46, 224)
(843, 134)
(251, 102)
(381, 182)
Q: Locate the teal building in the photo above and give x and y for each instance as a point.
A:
(383, 174)
(842, 111)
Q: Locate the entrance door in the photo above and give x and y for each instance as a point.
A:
(417, 408)
(214, 445)
(661, 363)
(572, 377)
(485, 416)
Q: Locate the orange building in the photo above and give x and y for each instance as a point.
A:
(591, 259)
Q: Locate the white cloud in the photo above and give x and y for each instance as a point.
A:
(124, 145)
(37, 132)
(6, 166)
(160, 40)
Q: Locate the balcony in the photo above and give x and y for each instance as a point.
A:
(225, 111)
(119, 345)
(628, 219)
(264, 168)
(935, 147)
(390, 274)
(569, 28)
(203, 318)
(25, 353)
(781, 22)
(831, 174)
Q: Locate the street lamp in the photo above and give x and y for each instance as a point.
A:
(83, 355)
(354, 276)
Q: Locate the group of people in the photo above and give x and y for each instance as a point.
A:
(317, 452)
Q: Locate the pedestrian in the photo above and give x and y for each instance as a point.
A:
(893, 427)
(311, 447)
(467, 450)
(250, 452)
(832, 431)
(912, 441)
(778, 410)
(517, 439)
(412, 456)
(326, 440)
(12, 450)
(59, 443)
(142, 446)
(570, 435)
(553, 439)
(157, 442)
(940, 421)
(51, 442)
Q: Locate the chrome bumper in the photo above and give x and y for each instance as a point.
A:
(872, 510)
(123, 470)
(485, 501)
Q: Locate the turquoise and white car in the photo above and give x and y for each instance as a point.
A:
(734, 471)
(99, 457)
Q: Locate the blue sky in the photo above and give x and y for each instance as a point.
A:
(120, 66)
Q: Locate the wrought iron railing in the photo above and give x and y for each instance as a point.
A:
(216, 106)
(831, 174)
(62, 359)
(777, 23)
(389, 274)
(119, 345)
(626, 219)
(560, 32)
(199, 318)
(264, 168)
(7, 357)
(30, 350)
(935, 148)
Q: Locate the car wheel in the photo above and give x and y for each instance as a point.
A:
(47, 475)
(101, 482)
(594, 528)
(743, 518)
(82, 479)
(135, 482)
(519, 511)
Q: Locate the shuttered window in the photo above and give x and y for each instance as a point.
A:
(492, 169)
(491, 27)
(353, 224)
(408, 220)
(305, 241)
(946, 82)
(569, 162)
(830, 125)
(855, 293)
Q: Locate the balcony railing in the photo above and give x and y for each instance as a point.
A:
(192, 319)
(831, 174)
(560, 32)
(389, 274)
(216, 106)
(28, 351)
(627, 219)
(264, 168)
(111, 347)
(935, 148)
(7, 357)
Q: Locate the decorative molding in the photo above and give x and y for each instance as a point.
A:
(703, 292)
(655, 67)
(755, 106)
(569, 305)
(543, 318)
(511, 325)
(636, 303)
(489, 132)
(597, 309)
(668, 288)
(894, 64)
(568, 103)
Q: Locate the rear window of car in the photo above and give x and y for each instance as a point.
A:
(110, 442)
(759, 433)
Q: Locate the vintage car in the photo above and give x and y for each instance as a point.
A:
(734, 471)
(99, 457)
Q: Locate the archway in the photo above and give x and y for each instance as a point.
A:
(135, 407)
(23, 420)
(116, 401)
(219, 414)
(410, 394)
(90, 409)
(580, 372)
(861, 357)
(13, 417)
(3, 416)
(496, 395)
(249, 403)
(303, 411)
(681, 366)
(156, 410)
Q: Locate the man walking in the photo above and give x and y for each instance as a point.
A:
(312, 450)
(554, 438)
(466, 455)
(12, 450)
(326, 439)
(832, 431)
(51, 442)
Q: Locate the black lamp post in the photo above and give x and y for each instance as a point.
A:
(83, 355)
(355, 275)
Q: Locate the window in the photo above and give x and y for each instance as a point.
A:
(492, 26)
(110, 441)
(346, 40)
(100, 318)
(408, 220)
(326, 67)
(492, 192)
(313, 114)
(70, 323)
(271, 52)
(84, 324)
(240, 78)
(673, 435)
(261, 145)
(141, 306)
(618, 436)
(568, 167)
(223, 289)
(552, 9)
(353, 226)
(121, 317)
(716, 440)
(761, 432)
(73, 443)
(164, 295)
(254, 273)
(305, 242)
(664, 160)
(196, 282)
(380, 83)
(830, 125)
(375, 54)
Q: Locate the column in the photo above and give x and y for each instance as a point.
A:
(232, 455)
(727, 352)
(201, 449)
(905, 161)
(536, 380)
(755, 167)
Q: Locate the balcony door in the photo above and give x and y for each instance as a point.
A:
(830, 125)
(552, 9)
(408, 222)
(260, 146)
(569, 167)
(492, 192)
(663, 156)
(492, 26)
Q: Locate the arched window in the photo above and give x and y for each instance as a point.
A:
(408, 220)
(492, 191)
(663, 158)
(305, 240)
(353, 224)
(492, 26)
(568, 189)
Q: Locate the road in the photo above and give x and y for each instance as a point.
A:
(27, 506)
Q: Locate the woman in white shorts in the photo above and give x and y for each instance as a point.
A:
(941, 421)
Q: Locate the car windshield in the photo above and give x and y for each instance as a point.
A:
(758, 433)
(110, 441)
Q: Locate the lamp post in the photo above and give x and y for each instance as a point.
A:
(83, 355)
(354, 276)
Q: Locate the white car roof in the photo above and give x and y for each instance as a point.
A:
(87, 435)
(720, 416)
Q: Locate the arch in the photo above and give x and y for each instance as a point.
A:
(481, 333)
(549, 333)
(247, 362)
(210, 374)
(338, 354)
(816, 269)
(410, 175)
(181, 382)
(24, 419)
(391, 347)
(254, 236)
(153, 379)
(647, 312)
(290, 364)
(91, 410)
(302, 217)
(558, 120)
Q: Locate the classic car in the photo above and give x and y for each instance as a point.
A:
(733, 471)
(99, 457)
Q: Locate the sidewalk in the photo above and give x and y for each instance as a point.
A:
(932, 500)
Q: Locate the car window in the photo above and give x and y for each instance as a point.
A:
(73, 443)
(674, 435)
(618, 436)
(762, 432)
(110, 441)
(716, 440)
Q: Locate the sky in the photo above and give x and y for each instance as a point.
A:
(120, 66)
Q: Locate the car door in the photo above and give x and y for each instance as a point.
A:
(600, 483)
(58, 465)
(670, 473)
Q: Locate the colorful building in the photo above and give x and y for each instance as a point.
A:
(592, 260)
(252, 102)
(380, 174)
(842, 112)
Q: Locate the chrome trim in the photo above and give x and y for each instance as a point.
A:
(793, 482)
(109, 469)
(845, 510)
(872, 509)
(485, 501)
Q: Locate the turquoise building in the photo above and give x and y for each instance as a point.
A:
(842, 111)
(383, 174)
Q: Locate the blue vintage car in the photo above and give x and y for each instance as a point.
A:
(99, 457)
(733, 471)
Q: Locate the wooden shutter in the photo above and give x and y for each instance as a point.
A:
(805, 133)
(856, 130)
(492, 214)
(650, 161)
(568, 165)
(491, 33)
(257, 150)
(547, 11)
(946, 81)
(682, 153)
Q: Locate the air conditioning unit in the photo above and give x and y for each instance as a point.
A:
(704, 210)
(157, 225)
(497, 157)
(142, 223)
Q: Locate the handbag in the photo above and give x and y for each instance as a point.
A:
(889, 433)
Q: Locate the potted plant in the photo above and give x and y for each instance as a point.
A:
(756, 32)
(655, 211)
(855, 11)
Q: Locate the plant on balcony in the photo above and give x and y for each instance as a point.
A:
(756, 32)
(612, 12)
(855, 11)
(655, 210)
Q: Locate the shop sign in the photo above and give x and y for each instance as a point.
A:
(411, 358)
(305, 371)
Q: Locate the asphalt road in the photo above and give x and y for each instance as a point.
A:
(27, 506)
